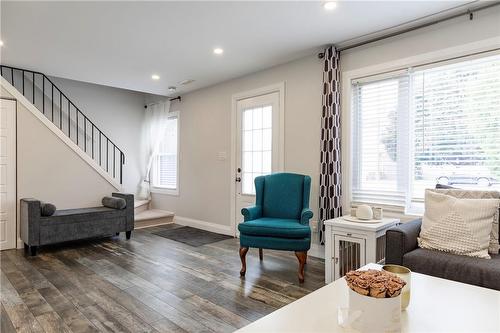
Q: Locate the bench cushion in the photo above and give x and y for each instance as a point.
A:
(112, 202)
(66, 212)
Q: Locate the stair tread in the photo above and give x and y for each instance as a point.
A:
(152, 214)
(138, 203)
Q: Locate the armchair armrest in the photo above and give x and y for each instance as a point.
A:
(129, 199)
(252, 213)
(305, 215)
(400, 240)
(30, 221)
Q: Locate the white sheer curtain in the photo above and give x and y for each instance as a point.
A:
(155, 125)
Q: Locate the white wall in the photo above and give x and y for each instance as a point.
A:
(205, 115)
(445, 40)
(459, 31)
(205, 118)
(119, 113)
(49, 170)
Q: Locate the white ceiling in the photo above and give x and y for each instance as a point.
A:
(121, 44)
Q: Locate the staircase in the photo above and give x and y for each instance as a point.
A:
(147, 217)
(45, 96)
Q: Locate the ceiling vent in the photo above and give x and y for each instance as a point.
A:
(186, 82)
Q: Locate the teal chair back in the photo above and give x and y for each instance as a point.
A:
(282, 195)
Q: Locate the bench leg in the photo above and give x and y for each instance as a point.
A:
(128, 234)
(33, 250)
(261, 255)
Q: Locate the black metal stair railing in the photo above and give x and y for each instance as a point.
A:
(57, 108)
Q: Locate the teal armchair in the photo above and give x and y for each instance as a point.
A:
(280, 218)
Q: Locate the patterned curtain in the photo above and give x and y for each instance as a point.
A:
(330, 190)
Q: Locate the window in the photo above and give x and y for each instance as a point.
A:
(257, 145)
(165, 170)
(413, 129)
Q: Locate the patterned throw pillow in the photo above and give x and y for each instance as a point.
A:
(494, 246)
(459, 226)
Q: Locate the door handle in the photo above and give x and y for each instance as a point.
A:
(238, 179)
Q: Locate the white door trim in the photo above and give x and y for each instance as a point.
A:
(11, 226)
(280, 89)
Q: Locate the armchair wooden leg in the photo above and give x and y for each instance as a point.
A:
(261, 254)
(302, 256)
(243, 253)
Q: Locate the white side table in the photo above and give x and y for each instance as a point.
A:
(351, 245)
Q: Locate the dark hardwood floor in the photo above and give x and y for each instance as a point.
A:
(148, 283)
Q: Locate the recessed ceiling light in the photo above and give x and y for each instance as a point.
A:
(1, 43)
(330, 5)
(155, 77)
(218, 50)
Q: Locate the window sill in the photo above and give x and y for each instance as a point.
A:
(414, 212)
(165, 191)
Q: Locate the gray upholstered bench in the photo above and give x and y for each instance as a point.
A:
(73, 224)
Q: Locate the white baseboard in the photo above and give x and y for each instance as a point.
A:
(317, 251)
(204, 225)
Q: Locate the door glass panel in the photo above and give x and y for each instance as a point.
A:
(247, 160)
(247, 119)
(257, 161)
(257, 118)
(256, 146)
(257, 140)
(247, 140)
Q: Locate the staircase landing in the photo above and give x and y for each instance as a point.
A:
(145, 217)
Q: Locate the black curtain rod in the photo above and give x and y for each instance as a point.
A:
(469, 12)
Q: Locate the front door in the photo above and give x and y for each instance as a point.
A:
(7, 174)
(257, 145)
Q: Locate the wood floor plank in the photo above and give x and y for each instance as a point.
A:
(6, 325)
(8, 294)
(180, 318)
(22, 319)
(102, 320)
(35, 302)
(146, 284)
(71, 316)
(166, 326)
(106, 303)
(52, 323)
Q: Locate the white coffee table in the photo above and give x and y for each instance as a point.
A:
(437, 305)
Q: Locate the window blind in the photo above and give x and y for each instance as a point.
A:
(457, 125)
(166, 160)
(435, 124)
(380, 112)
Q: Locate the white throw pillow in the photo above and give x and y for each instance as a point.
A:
(459, 226)
(494, 246)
